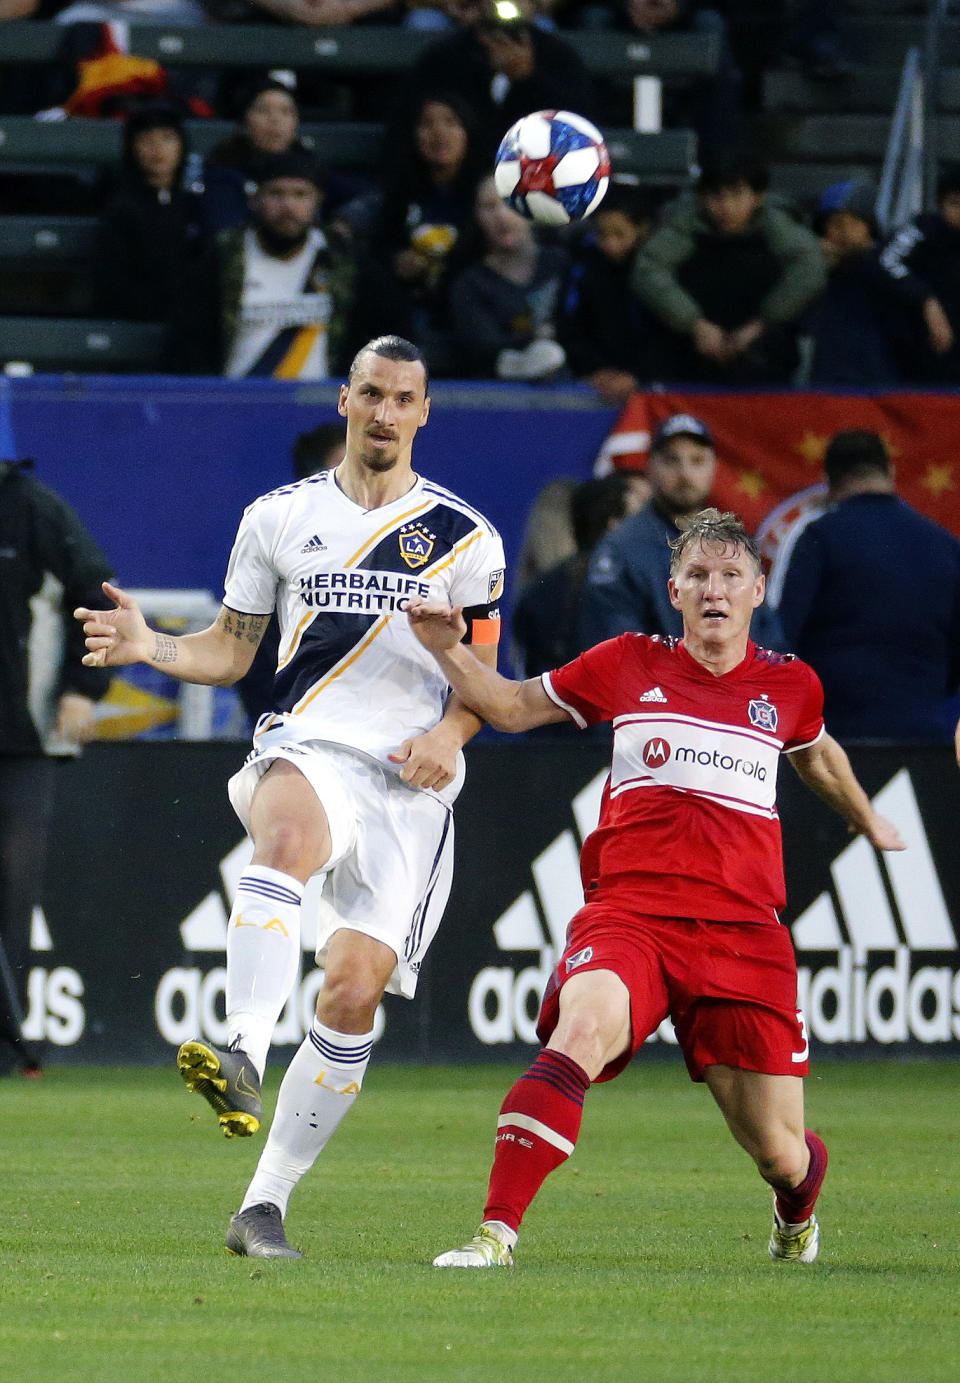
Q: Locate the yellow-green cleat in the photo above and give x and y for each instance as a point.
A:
(229, 1083)
(491, 1247)
(794, 1243)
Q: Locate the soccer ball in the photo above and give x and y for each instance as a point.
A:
(552, 166)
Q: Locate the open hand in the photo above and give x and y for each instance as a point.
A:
(115, 637)
(884, 835)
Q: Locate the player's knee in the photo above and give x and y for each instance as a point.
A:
(348, 1001)
(582, 1035)
(288, 846)
(780, 1159)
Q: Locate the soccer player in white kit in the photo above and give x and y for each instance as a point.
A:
(352, 776)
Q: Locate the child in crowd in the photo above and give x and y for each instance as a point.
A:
(863, 314)
(729, 276)
(924, 256)
(609, 337)
(504, 303)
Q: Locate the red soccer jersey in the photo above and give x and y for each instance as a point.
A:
(689, 824)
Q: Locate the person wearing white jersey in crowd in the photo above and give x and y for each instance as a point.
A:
(274, 297)
(351, 776)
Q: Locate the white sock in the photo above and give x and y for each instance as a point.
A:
(263, 957)
(316, 1094)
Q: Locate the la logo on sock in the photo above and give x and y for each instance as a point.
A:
(351, 1088)
(274, 925)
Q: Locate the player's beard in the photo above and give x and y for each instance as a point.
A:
(377, 462)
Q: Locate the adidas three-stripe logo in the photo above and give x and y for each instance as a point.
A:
(864, 904)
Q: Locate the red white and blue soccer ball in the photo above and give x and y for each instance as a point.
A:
(552, 166)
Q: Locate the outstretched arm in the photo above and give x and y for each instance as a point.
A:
(825, 768)
(502, 703)
(216, 656)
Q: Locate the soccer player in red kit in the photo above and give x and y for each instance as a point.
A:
(683, 880)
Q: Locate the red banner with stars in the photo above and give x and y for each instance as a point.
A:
(769, 446)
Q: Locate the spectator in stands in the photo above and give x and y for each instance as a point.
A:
(609, 337)
(548, 532)
(871, 599)
(504, 305)
(180, 12)
(320, 449)
(626, 585)
(268, 124)
(547, 628)
(924, 257)
(710, 105)
(149, 239)
(414, 224)
(729, 276)
(861, 318)
(278, 292)
(314, 13)
(505, 66)
(548, 535)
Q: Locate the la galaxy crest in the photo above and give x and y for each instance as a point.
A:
(416, 544)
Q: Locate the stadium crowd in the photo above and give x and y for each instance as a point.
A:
(259, 265)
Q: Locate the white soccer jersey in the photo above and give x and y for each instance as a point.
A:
(284, 314)
(350, 671)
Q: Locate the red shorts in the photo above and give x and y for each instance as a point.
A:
(729, 987)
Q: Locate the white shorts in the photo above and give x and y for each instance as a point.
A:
(391, 859)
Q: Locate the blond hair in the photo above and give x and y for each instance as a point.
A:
(710, 526)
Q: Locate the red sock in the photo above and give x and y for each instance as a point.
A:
(796, 1205)
(537, 1129)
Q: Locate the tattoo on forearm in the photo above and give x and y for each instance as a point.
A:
(247, 628)
(165, 650)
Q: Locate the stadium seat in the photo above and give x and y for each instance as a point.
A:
(70, 144)
(665, 156)
(82, 344)
(43, 240)
(354, 50)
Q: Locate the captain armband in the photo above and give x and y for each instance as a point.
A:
(483, 624)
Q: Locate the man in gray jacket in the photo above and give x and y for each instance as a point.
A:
(626, 584)
(728, 276)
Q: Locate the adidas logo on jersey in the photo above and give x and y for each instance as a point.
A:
(654, 694)
(316, 544)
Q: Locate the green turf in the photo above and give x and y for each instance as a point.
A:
(644, 1258)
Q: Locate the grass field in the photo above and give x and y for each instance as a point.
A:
(644, 1258)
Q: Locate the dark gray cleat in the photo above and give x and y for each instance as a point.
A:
(258, 1233)
(227, 1081)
